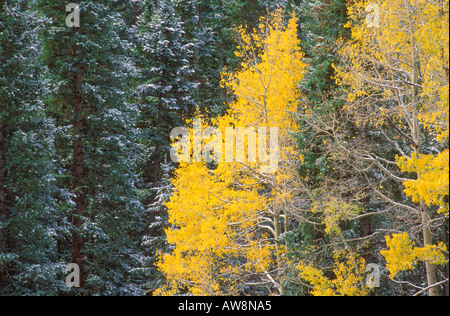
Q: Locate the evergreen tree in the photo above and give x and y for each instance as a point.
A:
(322, 24)
(165, 94)
(155, 240)
(202, 27)
(165, 99)
(210, 25)
(92, 68)
(30, 224)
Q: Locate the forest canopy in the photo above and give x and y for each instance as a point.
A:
(238, 148)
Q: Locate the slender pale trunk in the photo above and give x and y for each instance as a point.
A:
(278, 231)
(446, 72)
(426, 230)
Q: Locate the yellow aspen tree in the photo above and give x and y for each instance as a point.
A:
(349, 278)
(266, 95)
(227, 220)
(396, 73)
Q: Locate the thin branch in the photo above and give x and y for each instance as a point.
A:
(431, 286)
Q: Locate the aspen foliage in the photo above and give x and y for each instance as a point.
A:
(334, 212)
(226, 219)
(348, 276)
(432, 183)
(381, 59)
(345, 277)
(402, 255)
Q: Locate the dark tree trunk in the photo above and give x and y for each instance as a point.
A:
(3, 211)
(158, 147)
(78, 170)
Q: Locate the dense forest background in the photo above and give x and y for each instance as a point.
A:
(86, 115)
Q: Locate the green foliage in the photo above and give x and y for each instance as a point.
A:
(29, 228)
(112, 218)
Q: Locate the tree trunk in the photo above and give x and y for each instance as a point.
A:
(445, 240)
(365, 221)
(427, 240)
(158, 147)
(426, 230)
(3, 211)
(276, 209)
(78, 170)
(2, 183)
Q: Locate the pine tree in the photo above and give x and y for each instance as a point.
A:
(165, 94)
(210, 25)
(155, 240)
(30, 224)
(322, 24)
(92, 69)
(201, 27)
